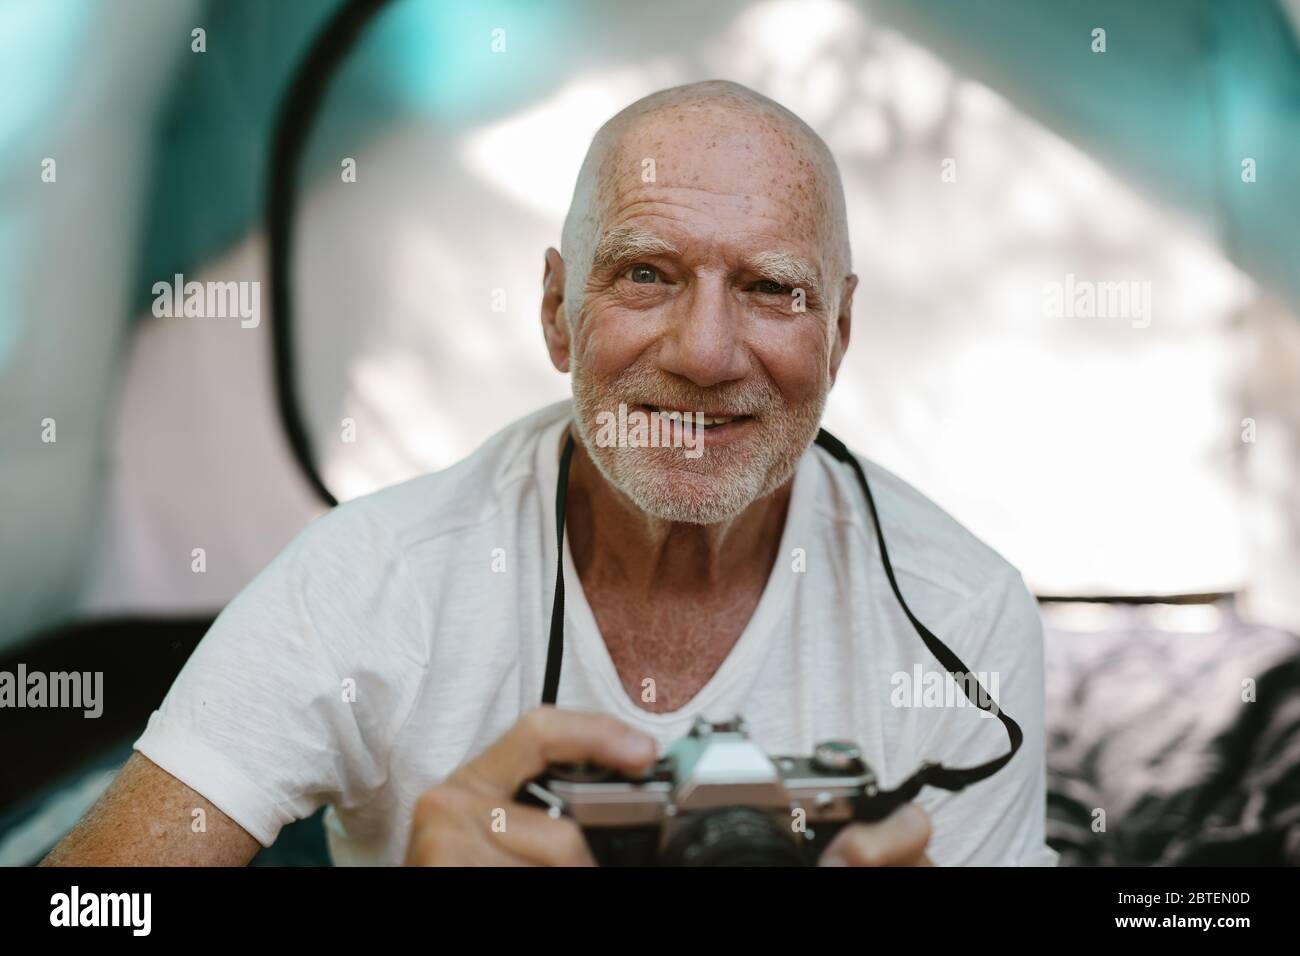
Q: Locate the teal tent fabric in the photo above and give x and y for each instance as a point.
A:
(1184, 92)
(82, 86)
(214, 144)
(161, 154)
(162, 157)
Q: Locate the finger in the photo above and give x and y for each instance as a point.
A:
(898, 840)
(449, 829)
(548, 735)
(444, 845)
(533, 836)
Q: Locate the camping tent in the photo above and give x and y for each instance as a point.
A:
(995, 155)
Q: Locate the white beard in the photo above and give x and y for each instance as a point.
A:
(718, 485)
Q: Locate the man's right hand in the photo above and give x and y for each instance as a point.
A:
(471, 819)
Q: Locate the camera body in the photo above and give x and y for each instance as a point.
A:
(715, 799)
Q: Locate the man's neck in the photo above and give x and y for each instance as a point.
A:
(648, 557)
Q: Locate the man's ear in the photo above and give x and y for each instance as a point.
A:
(843, 325)
(555, 325)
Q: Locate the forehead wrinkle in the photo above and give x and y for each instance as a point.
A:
(802, 197)
(777, 215)
(609, 152)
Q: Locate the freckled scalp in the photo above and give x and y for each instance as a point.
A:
(817, 188)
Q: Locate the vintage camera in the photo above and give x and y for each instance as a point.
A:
(716, 799)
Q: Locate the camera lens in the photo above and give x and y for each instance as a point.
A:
(733, 836)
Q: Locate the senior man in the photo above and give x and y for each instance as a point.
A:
(389, 662)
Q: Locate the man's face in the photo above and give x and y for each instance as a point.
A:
(693, 304)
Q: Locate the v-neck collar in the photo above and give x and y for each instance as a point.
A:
(582, 637)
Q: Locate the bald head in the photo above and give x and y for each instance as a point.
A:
(705, 266)
(714, 136)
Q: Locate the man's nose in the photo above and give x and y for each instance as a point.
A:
(705, 342)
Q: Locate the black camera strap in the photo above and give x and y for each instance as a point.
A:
(555, 650)
(929, 774)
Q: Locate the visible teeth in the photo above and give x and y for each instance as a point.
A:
(695, 418)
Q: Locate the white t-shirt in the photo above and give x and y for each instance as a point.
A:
(401, 633)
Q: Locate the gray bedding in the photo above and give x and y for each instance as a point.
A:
(1157, 730)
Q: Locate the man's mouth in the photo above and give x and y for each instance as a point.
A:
(709, 419)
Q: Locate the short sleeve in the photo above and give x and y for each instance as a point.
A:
(293, 698)
(1001, 820)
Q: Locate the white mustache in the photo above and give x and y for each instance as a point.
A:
(752, 402)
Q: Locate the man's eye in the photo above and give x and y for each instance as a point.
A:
(643, 274)
(770, 287)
